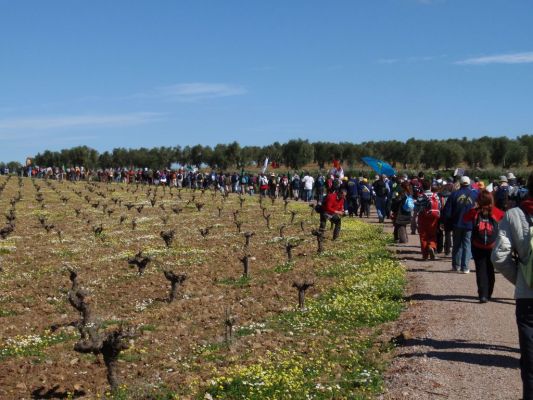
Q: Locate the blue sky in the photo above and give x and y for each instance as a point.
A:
(162, 73)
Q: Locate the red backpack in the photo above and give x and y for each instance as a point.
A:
(485, 231)
(432, 206)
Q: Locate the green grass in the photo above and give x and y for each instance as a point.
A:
(31, 345)
(285, 267)
(7, 313)
(243, 281)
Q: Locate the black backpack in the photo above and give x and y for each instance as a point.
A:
(485, 230)
(501, 198)
(380, 188)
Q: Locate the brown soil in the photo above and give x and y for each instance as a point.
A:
(34, 282)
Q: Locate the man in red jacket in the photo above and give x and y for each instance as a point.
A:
(331, 210)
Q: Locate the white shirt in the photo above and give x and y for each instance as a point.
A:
(308, 182)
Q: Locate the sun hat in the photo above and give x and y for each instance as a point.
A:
(510, 175)
(503, 178)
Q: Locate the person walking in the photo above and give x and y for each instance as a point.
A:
(381, 190)
(484, 218)
(513, 246)
(402, 206)
(308, 181)
(428, 208)
(458, 204)
(365, 195)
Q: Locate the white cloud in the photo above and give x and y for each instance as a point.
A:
(192, 92)
(514, 58)
(412, 60)
(389, 60)
(70, 121)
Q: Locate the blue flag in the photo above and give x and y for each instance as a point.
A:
(380, 166)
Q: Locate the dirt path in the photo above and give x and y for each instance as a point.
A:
(451, 346)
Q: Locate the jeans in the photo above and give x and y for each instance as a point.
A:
(308, 194)
(381, 203)
(524, 321)
(461, 253)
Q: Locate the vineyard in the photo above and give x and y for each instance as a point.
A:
(131, 291)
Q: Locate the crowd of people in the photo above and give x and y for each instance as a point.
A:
(491, 224)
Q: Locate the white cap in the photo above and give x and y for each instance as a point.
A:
(465, 180)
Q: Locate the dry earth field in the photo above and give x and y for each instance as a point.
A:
(180, 348)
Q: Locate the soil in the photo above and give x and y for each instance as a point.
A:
(451, 346)
(178, 346)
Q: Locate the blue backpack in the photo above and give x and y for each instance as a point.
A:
(408, 204)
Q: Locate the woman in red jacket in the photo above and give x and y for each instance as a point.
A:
(484, 217)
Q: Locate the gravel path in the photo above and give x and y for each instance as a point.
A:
(451, 346)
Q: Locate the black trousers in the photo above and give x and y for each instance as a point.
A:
(524, 321)
(335, 220)
(353, 205)
(484, 271)
(364, 208)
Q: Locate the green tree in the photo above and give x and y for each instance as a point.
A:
(219, 157)
(527, 142)
(499, 149)
(197, 155)
(477, 154)
(413, 151)
(297, 153)
(453, 153)
(233, 154)
(249, 154)
(516, 154)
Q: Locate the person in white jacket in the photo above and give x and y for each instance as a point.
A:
(513, 245)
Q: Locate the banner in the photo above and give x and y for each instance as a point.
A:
(265, 165)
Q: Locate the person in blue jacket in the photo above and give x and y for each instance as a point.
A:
(457, 205)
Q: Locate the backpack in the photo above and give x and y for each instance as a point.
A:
(527, 266)
(501, 197)
(429, 205)
(380, 188)
(365, 192)
(408, 204)
(485, 230)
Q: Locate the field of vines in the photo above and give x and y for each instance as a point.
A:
(141, 292)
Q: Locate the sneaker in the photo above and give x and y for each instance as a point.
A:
(465, 271)
(431, 253)
(483, 300)
(455, 269)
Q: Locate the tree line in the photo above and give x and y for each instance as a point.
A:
(414, 153)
